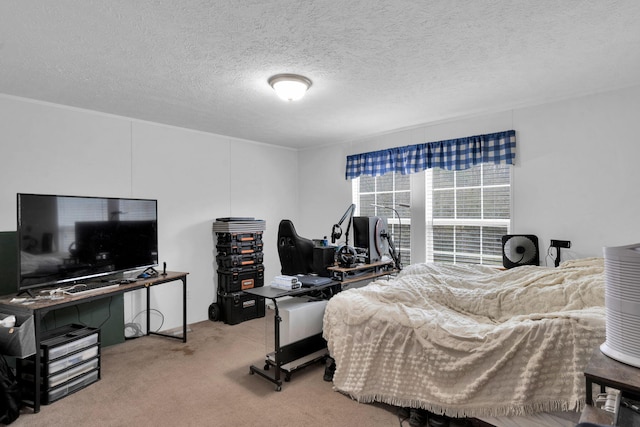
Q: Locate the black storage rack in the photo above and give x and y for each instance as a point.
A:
(240, 267)
(70, 361)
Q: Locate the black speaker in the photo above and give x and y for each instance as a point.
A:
(323, 257)
(368, 234)
(47, 243)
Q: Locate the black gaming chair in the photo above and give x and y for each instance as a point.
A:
(296, 253)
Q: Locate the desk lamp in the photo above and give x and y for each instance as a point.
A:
(346, 254)
(336, 231)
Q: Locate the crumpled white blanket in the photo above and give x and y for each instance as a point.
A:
(471, 341)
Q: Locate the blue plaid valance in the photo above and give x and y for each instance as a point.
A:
(453, 154)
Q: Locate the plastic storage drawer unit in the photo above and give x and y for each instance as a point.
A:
(57, 351)
(69, 387)
(73, 359)
(69, 374)
(70, 360)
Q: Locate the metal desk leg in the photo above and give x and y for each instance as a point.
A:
(277, 353)
(37, 318)
(184, 309)
(183, 338)
(589, 392)
(148, 307)
(276, 343)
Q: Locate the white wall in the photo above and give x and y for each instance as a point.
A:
(196, 177)
(576, 178)
(576, 175)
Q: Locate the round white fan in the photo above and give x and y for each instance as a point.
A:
(520, 249)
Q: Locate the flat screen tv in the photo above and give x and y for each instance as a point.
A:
(65, 239)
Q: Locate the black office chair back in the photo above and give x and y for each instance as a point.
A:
(295, 252)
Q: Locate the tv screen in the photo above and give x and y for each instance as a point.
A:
(69, 238)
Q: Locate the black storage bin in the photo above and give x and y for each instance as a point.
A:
(246, 247)
(238, 307)
(239, 260)
(70, 361)
(19, 340)
(241, 278)
(323, 257)
(236, 238)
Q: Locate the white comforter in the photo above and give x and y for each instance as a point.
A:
(470, 340)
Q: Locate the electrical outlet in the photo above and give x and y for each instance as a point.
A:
(560, 243)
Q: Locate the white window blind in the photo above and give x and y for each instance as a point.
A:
(388, 190)
(467, 213)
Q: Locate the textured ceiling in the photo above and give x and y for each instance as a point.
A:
(375, 65)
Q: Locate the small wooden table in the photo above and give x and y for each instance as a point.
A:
(292, 351)
(607, 372)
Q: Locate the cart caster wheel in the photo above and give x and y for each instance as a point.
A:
(214, 312)
(266, 366)
(287, 377)
(278, 388)
(251, 372)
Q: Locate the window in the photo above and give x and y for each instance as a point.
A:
(390, 190)
(467, 213)
(465, 197)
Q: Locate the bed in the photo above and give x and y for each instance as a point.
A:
(470, 340)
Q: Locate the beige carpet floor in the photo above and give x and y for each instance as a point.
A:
(205, 382)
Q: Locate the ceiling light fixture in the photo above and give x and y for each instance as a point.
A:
(290, 87)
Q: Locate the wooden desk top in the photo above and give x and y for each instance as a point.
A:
(50, 304)
(609, 372)
(358, 267)
(275, 293)
(360, 272)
